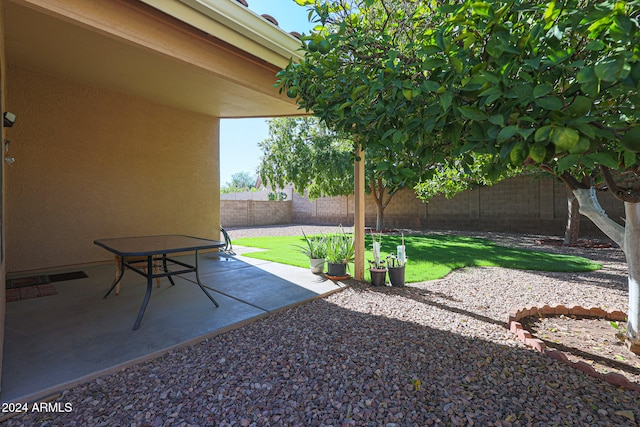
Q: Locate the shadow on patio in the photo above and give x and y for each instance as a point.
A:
(55, 341)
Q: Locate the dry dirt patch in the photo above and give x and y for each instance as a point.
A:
(599, 342)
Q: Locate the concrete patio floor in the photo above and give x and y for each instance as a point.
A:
(56, 341)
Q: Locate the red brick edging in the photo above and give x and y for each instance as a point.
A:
(525, 336)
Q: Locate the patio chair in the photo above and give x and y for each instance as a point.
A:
(228, 248)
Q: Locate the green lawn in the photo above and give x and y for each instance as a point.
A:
(431, 256)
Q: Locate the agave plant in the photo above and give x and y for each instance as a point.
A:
(316, 246)
(340, 247)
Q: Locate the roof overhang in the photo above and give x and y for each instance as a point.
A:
(212, 57)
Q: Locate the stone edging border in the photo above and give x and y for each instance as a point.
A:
(515, 315)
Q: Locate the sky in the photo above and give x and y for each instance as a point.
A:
(243, 135)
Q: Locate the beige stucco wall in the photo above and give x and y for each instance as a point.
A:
(3, 269)
(92, 163)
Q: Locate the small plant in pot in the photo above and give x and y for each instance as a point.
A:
(377, 267)
(396, 265)
(316, 250)
(378, 272)
(340, 251)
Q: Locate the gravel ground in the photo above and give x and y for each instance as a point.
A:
(436, 353)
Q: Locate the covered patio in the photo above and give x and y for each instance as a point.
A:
(118, 108)
(75, 335)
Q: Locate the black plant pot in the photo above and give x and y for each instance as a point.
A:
(396, 276)
(337, 270)
(378, 276)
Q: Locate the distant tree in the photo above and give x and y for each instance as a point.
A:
(240, 181)
(303, 152)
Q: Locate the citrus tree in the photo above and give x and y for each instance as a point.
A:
(540, 84)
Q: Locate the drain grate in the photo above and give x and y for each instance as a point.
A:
(24, 282)
(63, 277)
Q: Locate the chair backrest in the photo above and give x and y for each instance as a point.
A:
(228, 248)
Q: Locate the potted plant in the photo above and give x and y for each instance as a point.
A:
(316, 250)
(377, 267)
(396, 265)
(340, 251)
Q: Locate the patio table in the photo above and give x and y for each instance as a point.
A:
(156, 248)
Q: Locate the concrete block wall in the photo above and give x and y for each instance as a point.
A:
(247, 213)
(523, 204)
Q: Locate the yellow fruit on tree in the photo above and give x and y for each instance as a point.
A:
(519, 153)
(538, 152)
(581, 146)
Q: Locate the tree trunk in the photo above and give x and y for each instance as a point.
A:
(632, 253)
(377, 191)
(628, 238)
(590, 207)
(572, 230)
(379, 217)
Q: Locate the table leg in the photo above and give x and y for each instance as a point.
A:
(200, 284)
(147, 295)
(166, 269)
(120, 273)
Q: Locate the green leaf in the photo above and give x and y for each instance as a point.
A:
(445, 100)
(490, 77)
(630, 159)
(456, 64)
(491, 91)
(543, 133)
(525, 133)
(621, 28)
(567, 162)
(586, 75)
(432, 63)
(603, 159)
(586, 129)
(473, 113)
(382, 166)
(508, 132)
(498, 119)
(550, 103)
(541, 90)
(430, 86)
(388, 133)
(481, 8)
(595, 45)
(610, 69)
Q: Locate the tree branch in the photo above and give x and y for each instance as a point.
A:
(623, 194)
(590, 207)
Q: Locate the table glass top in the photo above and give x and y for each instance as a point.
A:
(153, 245)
